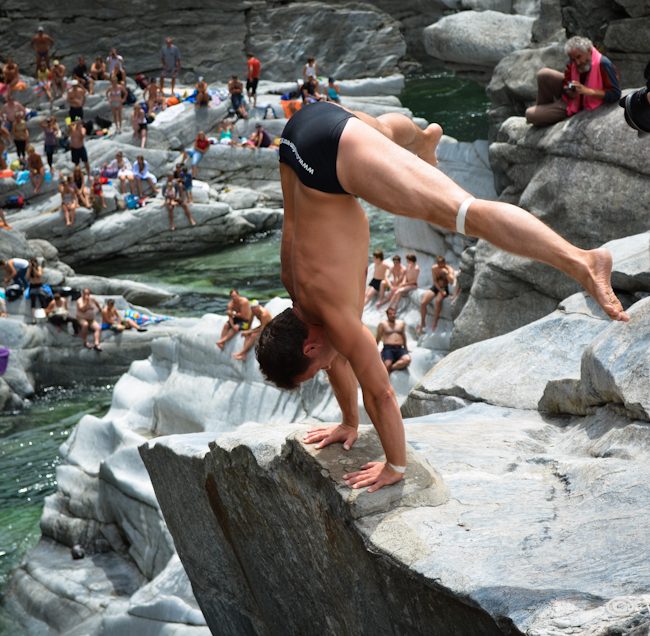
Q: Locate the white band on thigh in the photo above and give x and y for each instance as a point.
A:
(462, 213)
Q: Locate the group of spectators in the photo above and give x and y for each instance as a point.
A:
(89, 318)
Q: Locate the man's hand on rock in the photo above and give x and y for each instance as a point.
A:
(327, 435)
(373, 474)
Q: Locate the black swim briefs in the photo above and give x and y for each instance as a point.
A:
(309, 145)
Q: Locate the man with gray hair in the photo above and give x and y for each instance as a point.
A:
(589, 81)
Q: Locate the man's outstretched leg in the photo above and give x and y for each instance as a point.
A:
(385, 174)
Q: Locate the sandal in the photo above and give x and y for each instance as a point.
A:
(97, 348)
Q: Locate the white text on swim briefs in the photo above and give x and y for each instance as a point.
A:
(300, 160)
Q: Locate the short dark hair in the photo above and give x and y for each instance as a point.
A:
(378, 254)
(279, 349)
(412, 257)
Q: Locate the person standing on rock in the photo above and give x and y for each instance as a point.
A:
(589, 81)
(77, 148)
(76, 98)
(170, 59)
(42, 43)
(253, 73)
(329, 156)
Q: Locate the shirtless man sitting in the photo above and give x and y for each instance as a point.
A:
(87, 305)
(250, 336)
(112, 320)
(392, 333)
(409, 281)
(379, 274)
(442, 275)
(392, 281)
(239, 315)
(330, 156)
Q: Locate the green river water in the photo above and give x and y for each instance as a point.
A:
(29, 440)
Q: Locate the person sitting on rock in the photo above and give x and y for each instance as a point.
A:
(36, 169)
(250, 336)
(11, 75)
(69, 200)
(58, 79)
(15, 272)
(43, 77)
(202, 94)
(97, 200)
(310, 93)
(333, 93)
(98, 69)
(379, 274)
(239, 315)
(35, 280)
(111, 319)
(236, 90)
(392, 334)
(81, 73)
(87, 306)
(589, 81)
(442, 275)
(409, 282)
(122, 169)
(392, 281)
(201, 146)
(154, 97)
(83, 192)
(78, 152)
(259, 138)
(58, 314)
(141, 173)
(175, 195)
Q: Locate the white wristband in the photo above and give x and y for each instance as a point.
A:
(462, 213)
(397, 469)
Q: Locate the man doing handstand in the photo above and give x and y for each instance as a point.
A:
(328, 157)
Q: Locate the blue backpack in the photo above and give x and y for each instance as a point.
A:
(132, 202)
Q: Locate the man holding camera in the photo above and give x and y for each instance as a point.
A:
(589, 81)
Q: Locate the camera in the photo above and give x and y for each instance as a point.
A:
(571, 86)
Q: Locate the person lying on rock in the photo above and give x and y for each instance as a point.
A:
(589, 81)
(329, 156)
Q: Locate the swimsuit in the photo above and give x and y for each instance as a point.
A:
(393, 352)
(309, 145)
(115, 98)
(375, 283)
(437, 290)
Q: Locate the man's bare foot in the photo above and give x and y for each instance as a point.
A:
(240, 355)
(430, 140)
(221, 345)
(598, 283)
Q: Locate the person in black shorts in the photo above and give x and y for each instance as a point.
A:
(392, 334)
(328, 157)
